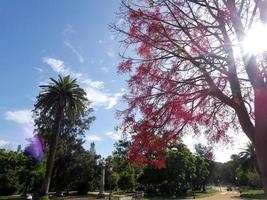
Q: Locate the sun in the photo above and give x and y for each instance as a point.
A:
(255, 41)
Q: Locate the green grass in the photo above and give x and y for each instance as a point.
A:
(252, 194)
(11, 197)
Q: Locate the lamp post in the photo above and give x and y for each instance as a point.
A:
(101, 194)
(110, 185)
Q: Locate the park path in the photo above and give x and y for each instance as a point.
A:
(224, 195)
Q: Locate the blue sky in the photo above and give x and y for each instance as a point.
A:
(40, 39)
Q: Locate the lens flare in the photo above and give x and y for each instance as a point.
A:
(255, 41)
(35, 148)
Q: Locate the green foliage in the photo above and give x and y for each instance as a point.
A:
(18, 173)
(11, 165)
(183, 170)
(201, 174)
(124, 174)
(248, 178)
(75, 168)
(127, 179)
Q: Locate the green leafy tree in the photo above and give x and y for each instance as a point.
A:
(201, 174)
(206, 154)
(11, 165)
(59, 100)
(176, 178)
(124, 174)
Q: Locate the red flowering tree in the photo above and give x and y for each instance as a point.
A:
(191, 73)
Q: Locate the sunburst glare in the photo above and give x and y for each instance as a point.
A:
(256, 39)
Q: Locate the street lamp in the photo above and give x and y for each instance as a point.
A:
(102, 165)
(110, 185)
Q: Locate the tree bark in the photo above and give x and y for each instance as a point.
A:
(52, 154)
(260, 138)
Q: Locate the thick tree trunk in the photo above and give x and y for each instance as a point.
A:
(260, 138)
(52, 155)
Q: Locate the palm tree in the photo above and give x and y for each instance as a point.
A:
(247, 157)
(59, 100)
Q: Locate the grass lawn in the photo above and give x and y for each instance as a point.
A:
(11, 197)
(252, 194)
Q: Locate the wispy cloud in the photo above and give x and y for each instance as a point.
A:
(111, 54)
(20, 116)
(94, 138)
(24, 118)
(112, 135)
(75, 51)
(101, 98)
(104, 69)
(59, 67)
(4, 143)
(68, 29)
(94, 84)
(95, 89)
(40, 70)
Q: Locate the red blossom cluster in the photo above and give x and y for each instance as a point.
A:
(182, 79)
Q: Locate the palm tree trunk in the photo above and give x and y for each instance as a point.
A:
(52, 154)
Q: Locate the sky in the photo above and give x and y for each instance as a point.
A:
(41, 39)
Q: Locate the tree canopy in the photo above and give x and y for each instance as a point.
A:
(192, 72)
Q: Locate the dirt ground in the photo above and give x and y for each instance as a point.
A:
(225, 196)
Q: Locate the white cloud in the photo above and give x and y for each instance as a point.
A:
(93, 138)
(4, 143)
(104, 69)
(59, 67)
(96, 93)
(40, 70)
(75, 51)
(112, 135)
(20, 116)
(95, 89)
(111, 54)
(94, 84)
(68, 29)
(55, 64)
